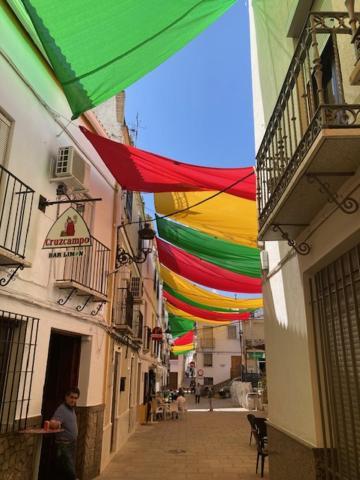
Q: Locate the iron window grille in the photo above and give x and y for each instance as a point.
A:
(335, 294)
(232, 332)
(129, 204)
(208, 360)
(18, 341)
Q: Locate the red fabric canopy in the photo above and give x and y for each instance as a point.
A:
(204, 273)
(205, 314)
(185, 339)
(142, 171)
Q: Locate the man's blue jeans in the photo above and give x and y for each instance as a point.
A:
(65, 461)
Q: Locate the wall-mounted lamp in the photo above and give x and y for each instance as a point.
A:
(146, 234)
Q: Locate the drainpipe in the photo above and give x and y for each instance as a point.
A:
(111, 289)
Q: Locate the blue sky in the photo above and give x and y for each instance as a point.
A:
(197, 106)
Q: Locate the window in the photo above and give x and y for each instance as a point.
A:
(148, 338)
(232, 331)
(129, 204)
(208, 360)
(140, 240)
(18, 337)
(155, 280)
(208, 381)
(5, 127)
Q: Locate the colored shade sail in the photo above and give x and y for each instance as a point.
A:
(203, 296)
(182, 351)
(180, 313)
(206, 314)
(99, 48)
(185, 339)
(225, 216)
(141, 171)
(177, 295)
(234, 257)
(205, 273)
(178, 325)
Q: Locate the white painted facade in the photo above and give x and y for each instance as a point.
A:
(217, 349)
(33, 103)
(292, 379)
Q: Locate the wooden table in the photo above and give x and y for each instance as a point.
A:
(39, 433)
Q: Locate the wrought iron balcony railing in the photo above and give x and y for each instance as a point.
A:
(87, 273)
(124, 308)
(314, 97)
(16, 201)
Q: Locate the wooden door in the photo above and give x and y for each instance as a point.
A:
(235, 370)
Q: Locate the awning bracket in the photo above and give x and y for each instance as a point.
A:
(301, 248)
(63, 301)
(10, 275)
(348, 205)
(80, 308)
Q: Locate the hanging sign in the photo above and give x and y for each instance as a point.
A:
(157, 333)
(68, 231)
(200, 372)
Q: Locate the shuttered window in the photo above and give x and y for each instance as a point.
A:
(336, 312)
(5, 126)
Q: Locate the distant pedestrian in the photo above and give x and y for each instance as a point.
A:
(181, 403)
(197, 393)
(210, 397)
(65, 418)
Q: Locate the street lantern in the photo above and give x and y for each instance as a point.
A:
(146, 235)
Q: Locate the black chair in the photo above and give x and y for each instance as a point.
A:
(251, 419)
(261, 452)
(260, 427)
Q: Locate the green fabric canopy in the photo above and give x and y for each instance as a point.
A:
(231, 256)
(179, 326)
(201, 305)
(98, 48)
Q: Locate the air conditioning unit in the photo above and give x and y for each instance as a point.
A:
(136, 288)
(70, 168)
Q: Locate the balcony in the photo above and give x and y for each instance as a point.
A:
(127, 316)
(312, 142)
(16, 201)
(86, 275)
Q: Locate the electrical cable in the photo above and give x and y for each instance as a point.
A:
(224, 190)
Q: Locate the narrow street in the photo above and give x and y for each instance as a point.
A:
(204, 445)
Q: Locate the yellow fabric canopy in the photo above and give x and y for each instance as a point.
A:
(200, 295)
(225, 216)
(180, 313)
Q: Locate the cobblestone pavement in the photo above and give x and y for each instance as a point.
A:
(202, 446)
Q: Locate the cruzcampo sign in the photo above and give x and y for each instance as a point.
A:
(69, 230)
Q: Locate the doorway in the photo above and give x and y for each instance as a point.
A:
(114, 403)
(235, 370)
(62, 372)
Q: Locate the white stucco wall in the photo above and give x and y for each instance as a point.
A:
(287, 352)
(224, 349)
(37, 134)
